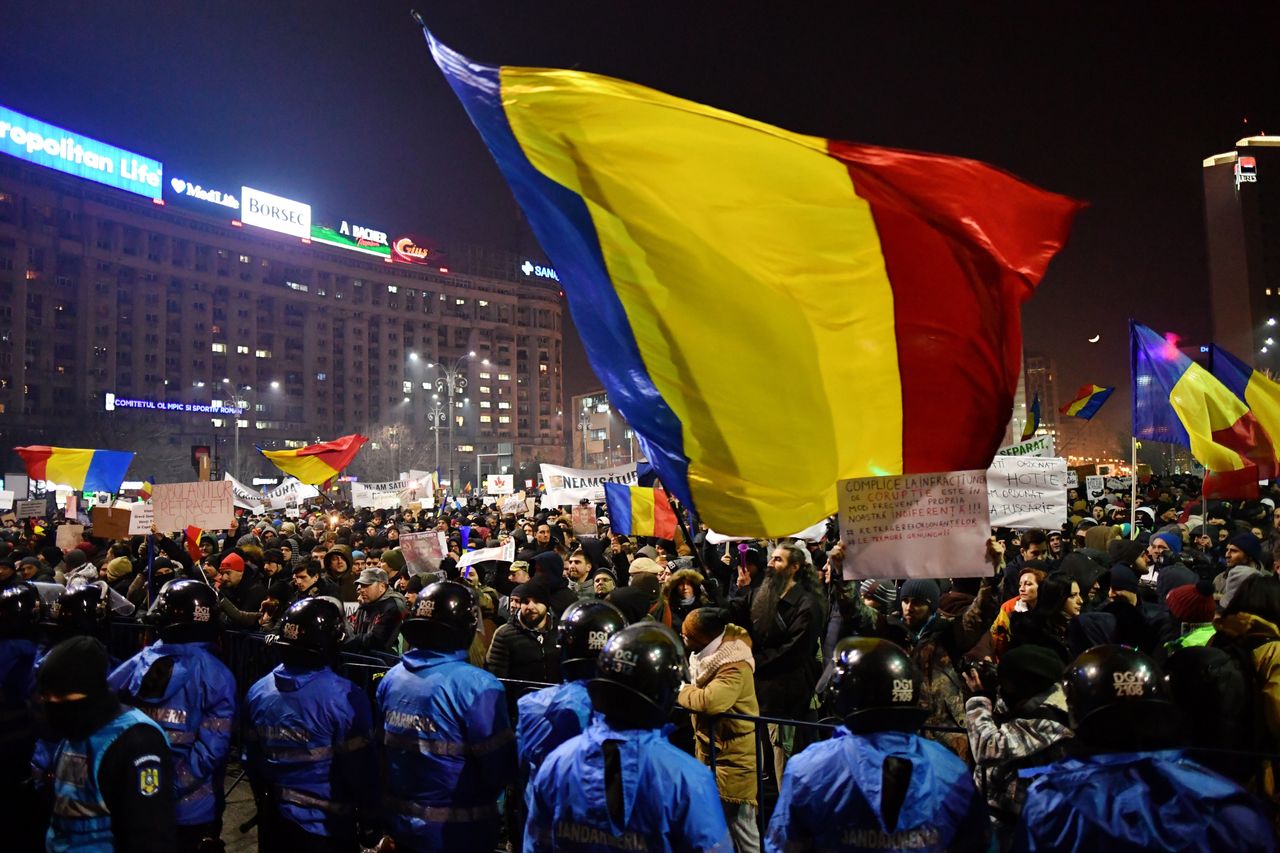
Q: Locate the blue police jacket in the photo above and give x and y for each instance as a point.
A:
(81, 821)
(831, 798)
(17, 730)
(196, 709)
(1139, 801)
(547, 718)
(669, 799)
(448, 751)
(310, 750)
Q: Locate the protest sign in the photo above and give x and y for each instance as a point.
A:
(69, 508)
(499, 484)
(423, 551)
(567, 486)
(584, 520)
(1041, 445)
(514, 504)
(207, 505)
(110, 522)
(1073, 478)
(915, 526)
(1025, 492)
(1119, 484)
(19, 484)
(29, 509)
(1094, 487)
(292, 512)
(506, 551)
(141, 517)
(6, 500)
(289, 493)
(378, 495)
(243, 496)
(69, 536)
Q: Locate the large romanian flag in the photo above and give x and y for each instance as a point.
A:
(1176, 400)
(639, 511)
(1089, 398)
(317, 463)
(1257, 391)
(771, 312)
(80, 468)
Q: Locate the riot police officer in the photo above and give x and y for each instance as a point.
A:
(877, 784)
(310, 754)
(1127, 770)
(179, 683)
(447, 741)
(113, 779)
(621, 784)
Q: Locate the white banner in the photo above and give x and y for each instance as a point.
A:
(500, 484)
(289, 493)
(1041, 445)
(915, 526)
(378, 495)
(506, 551)
(243, 496)
(204, 505)
(1025, 492)
(567, 486)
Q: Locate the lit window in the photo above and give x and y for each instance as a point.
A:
(485, 419)
(459, 302)
(219, 347)
(504, 377)
(242, 423)
(484, 303)
(217, 422)
(484, 389)
(407, 386)
(242, 350)
(484, 404)
(244, 259)
(391, 288)
(320, 377)
(459, 420)
(262, 353)
(484, 376)
(542, 368)
(504, 419)
(502, 404)
(293, 442)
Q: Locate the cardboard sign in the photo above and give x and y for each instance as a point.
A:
(1041, 445)
(423, 551)
(111, 523)
(915, 526)
(141, 517)
(513, 505)
(1025, 492)
(499, 484)
(207, 505)
(584, 520)
(69, 536)
(567, 486)
(1094, 487)
(6, 500)
(29, 509)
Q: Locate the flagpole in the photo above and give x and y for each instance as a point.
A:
(1133, 488)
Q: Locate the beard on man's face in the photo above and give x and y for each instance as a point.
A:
(764, 606)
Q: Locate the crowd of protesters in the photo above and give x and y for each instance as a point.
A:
(992, 687)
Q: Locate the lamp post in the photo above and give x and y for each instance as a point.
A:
(452, 381)
(436, 415)
(584, 424)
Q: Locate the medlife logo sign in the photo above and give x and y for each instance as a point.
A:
(275, 213)
(53, 147)
(186, 189)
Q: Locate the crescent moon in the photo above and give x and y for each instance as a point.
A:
(1095, 339)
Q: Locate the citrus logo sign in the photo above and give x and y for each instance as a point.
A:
(275, 213)
(55, 148)
(186, 189)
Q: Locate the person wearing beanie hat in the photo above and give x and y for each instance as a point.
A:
(633, 602)
(1244, 558)
(549, 566)
(1247, 548)
(1193, 606)
(1028, 715)
(240, 583)
(114, 763)
(525, 647)
(921, 591)
(393, 562)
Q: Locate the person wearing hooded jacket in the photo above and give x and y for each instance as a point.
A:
(338, 565)
(179, 683)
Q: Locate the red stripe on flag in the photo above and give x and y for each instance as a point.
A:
(36, 458)
(664, 520)
(1247, 437)
(964, 245)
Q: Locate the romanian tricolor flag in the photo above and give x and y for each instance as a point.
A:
(1087, 402)
(81, 469)
(638, 511)
(147, 485)
(1260, 393)
(1176, 400)
(1033, 420)
(317, 463)
(710, 259)
(193, 535)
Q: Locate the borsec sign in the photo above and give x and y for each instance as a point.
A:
(275, 213)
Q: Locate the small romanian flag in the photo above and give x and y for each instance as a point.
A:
(147, 488)
(894, 279)
(1087, 402)
(317, 463)
(82, 469)
(637, 511)
(193, 543)
(1033, 420)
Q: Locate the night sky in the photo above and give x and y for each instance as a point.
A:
(340, 105)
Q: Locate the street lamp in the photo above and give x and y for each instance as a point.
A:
(435, 416)
(242, 406)
(584, 424)
(452, 382)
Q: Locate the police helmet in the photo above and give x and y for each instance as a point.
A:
(584, 628)
(1116, 699)
(875, 687)
(638, 675)
(186, 611)
(80, 609)
(444, 618)
(311, 626)
(20, 610)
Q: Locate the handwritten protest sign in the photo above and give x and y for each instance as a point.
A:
(1073, 478)
(1025, 492)
(28, 509)
(208, 506)
(917, 526)
(141, 517)
(69, 536)
(1094, 487)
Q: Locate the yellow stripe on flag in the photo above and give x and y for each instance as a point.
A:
(642, 512)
